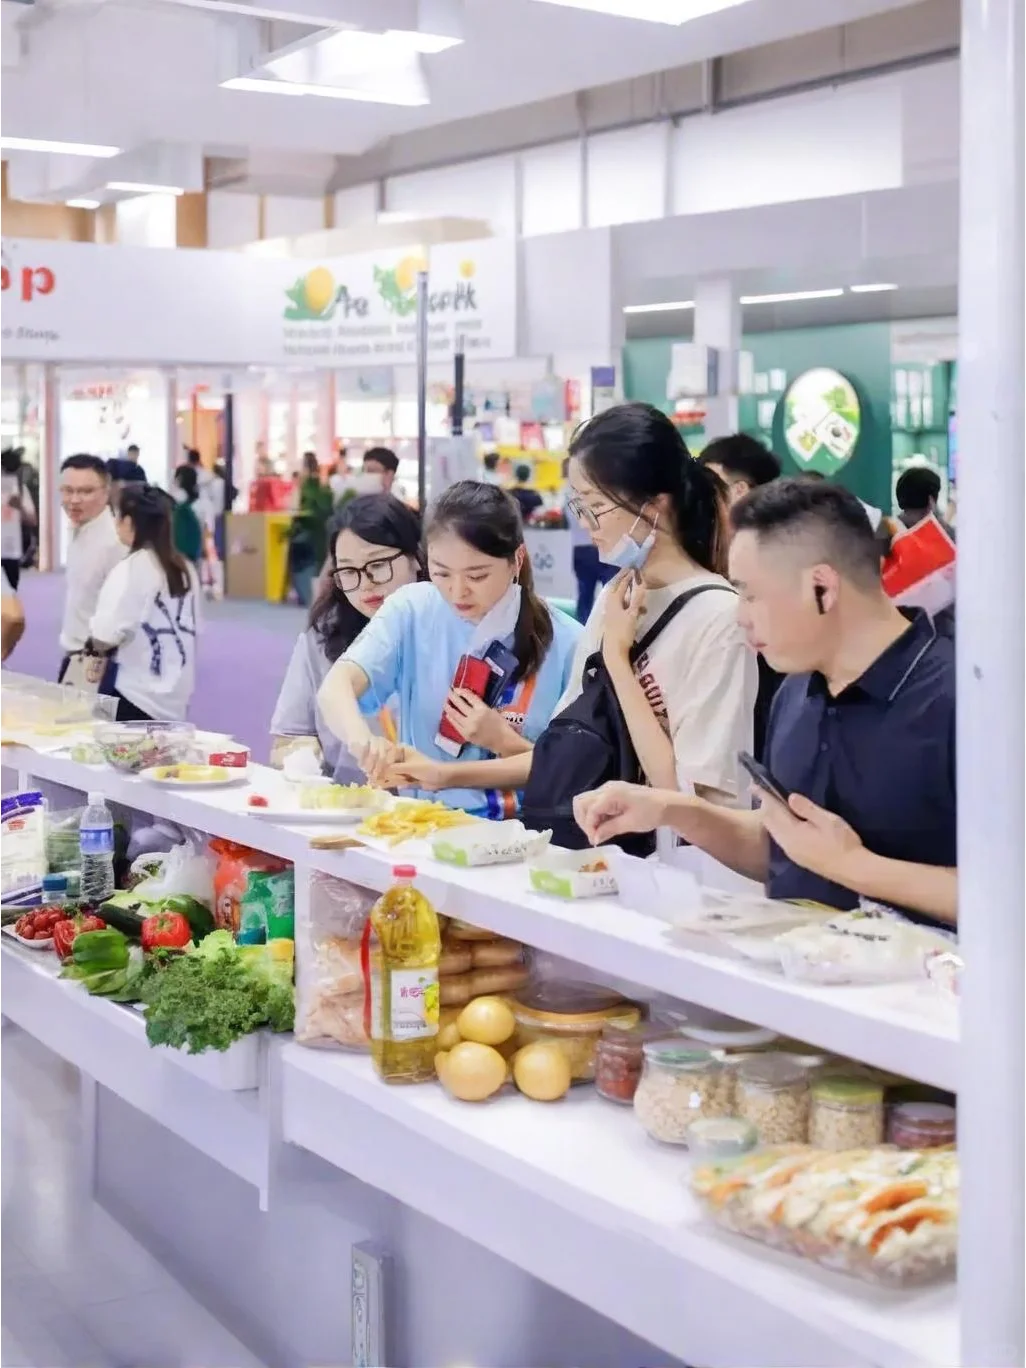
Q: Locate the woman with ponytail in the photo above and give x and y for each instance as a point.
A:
(658, 515)
(479, 599)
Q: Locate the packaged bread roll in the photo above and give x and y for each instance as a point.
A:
(501, 980)
(463, 931)
(455, 959)
(496, 954)
(455, 992)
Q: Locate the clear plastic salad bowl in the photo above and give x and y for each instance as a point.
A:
(135, 746)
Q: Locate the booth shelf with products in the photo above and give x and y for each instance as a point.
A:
(608, 1197)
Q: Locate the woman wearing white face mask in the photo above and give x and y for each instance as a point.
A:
(657, 514)
(480, 592)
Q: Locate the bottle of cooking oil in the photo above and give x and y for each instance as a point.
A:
(405, 947)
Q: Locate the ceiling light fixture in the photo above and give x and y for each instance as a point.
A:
(791, 297)
(66, 149)
(671, 307)
(370, 96)
(652, 11)
(82, 204)
(871, 289)
(141, 188)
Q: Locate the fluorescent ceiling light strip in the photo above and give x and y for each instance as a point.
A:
(82, 204)
(871, 289)
(65, 149)
(142, 188)
(651, 11)
(670, 307)
(275, 87)
(791, 297)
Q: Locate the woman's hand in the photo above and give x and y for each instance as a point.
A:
(480, 725)
(414, 770)
(376, 756)
(812, 837)
(617, 808)
(625, 599)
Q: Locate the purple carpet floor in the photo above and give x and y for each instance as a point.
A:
(243, 650)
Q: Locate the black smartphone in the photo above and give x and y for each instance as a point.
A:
(502, 663)
(762, 777)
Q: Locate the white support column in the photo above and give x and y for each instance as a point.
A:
(990, 683)
(718, 324)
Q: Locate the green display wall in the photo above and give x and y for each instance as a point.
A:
(861, 352)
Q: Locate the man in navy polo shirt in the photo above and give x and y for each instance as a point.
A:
(862, 733)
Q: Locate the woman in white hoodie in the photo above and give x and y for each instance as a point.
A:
(146, 619)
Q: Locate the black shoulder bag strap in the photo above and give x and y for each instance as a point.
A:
(663, 621)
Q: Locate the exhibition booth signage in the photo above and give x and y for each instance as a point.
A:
(65, 301)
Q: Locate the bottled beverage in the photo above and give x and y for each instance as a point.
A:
(405, 947)
(96, 846)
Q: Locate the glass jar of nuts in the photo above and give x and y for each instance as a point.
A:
(678, 1085)
(773, 1094)
(847, 1113)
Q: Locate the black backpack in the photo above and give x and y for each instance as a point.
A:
(587, 745)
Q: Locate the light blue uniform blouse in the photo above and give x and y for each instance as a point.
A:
(410, 649)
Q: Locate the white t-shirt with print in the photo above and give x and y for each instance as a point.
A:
(155, 635)
(699, 678)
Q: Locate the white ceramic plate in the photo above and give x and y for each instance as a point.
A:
(28, 944)
(225, 779)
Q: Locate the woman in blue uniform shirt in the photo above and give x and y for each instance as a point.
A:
(480, 590)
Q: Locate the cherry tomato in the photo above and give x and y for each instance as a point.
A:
(258, 800)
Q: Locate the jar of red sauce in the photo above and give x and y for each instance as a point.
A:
(619, 1058)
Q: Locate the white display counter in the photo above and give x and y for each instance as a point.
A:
(573, 1199)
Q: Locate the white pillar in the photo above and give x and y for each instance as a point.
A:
(990, 683)
(718, 325)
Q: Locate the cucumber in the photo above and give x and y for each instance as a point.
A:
(124, 916)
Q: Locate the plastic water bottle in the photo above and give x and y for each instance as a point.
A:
(96, 846)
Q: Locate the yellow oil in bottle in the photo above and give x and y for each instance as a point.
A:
(405, 947)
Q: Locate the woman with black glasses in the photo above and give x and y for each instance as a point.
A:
(374, 548)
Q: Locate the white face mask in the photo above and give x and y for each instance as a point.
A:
(499, 623)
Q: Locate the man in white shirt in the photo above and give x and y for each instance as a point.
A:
(95, 547)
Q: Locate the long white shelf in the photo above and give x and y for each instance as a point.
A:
(576, 1193)
(904, 1028)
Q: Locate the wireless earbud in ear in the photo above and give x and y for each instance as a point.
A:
(819, 591)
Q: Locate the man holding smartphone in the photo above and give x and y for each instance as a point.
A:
(861, 734)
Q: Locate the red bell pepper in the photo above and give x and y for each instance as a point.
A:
(65, 932)
(166, 931)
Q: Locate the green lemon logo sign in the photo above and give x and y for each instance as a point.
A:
(822, 420)
(398, 286)
(313, 296)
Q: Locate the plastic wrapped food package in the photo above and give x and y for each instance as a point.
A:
(329, 976)
(871, 945)
(887, 1215)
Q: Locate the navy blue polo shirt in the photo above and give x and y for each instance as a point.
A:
(881, 754)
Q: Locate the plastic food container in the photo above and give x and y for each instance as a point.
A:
(847, 1113)
(922, 1125)
(720, 1137)
(772, 1092)
(217, 748)
(135, 746)
(573, 1016)
(572, 873)
(678, 1085)
(712, 1031)
(619, 1056)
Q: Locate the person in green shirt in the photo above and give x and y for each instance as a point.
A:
(308, 534)
(186, 527)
